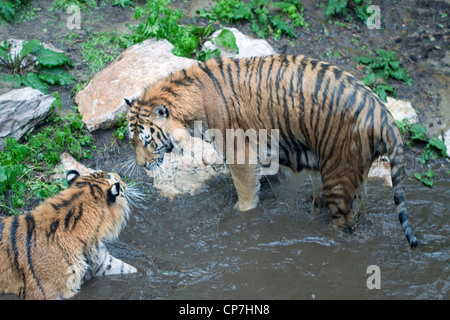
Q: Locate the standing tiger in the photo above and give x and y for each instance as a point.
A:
(328, 121)
(50, 252)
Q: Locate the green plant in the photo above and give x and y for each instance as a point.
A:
(103, 47)
(379, 69)
(434, 148)
(262, 15)
(122, 128)
(427, 178)
(123, 3)
(348, 9)
(25, 167)
(8, 9)
(23, 70)
(161, 22)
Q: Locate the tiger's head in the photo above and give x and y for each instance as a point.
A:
(153, 131)
(98, 192)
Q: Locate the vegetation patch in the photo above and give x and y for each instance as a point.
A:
(379, 69)
(35, 66)
(266, 17)
(25, 168)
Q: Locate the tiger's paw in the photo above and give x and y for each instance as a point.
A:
(245, 206)
(344, 222)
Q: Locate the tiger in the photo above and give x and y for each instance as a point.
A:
(328, 121)
(51, 251)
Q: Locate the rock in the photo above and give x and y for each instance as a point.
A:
(126, 77)
(248, 47)
(188, 173)
(447, 141)
(381, 169)
(21, 110)
(402, 109)
(69, 163)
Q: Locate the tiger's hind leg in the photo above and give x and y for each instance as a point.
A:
(339, 194)
(246, 181)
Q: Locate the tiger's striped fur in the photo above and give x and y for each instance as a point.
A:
(50, 252)
(328, 121)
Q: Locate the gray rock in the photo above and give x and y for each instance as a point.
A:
(21, 110)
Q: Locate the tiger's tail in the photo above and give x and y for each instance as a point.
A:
(394, 145)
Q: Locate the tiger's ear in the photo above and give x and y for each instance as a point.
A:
(113, 192)
(161, 111)
(129, 102)
(71, 176)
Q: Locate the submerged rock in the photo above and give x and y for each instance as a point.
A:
(188, 173)
(21, 110)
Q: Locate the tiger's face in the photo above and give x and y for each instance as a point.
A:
(151, 129)
(104, 188)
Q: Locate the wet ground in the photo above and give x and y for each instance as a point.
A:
(198, 247)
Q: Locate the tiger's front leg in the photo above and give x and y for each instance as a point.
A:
(101, 263)
(246, 181)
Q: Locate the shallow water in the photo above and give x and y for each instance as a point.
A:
(198, 247)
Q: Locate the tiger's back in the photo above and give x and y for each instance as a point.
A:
(48, 253)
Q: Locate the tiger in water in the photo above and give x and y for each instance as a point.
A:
(49, 252)
(328, 121)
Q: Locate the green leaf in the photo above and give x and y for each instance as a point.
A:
(56, 76)
(49, 58)
(227, 39)
(279, 23)
(401, 75)
(369, 79)
(335, 7)
(363, 60)
(3, 176)
(14, 79)
(439, 145)
(418, 132)
(243, 13)
(30, 47)
(394, 64)
(32, 80)
(7, 11)
(382, 91)
(4, 53)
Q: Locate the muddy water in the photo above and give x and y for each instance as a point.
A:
(198, 247)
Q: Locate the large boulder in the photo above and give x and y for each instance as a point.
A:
(102, 99)
(21, 110)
